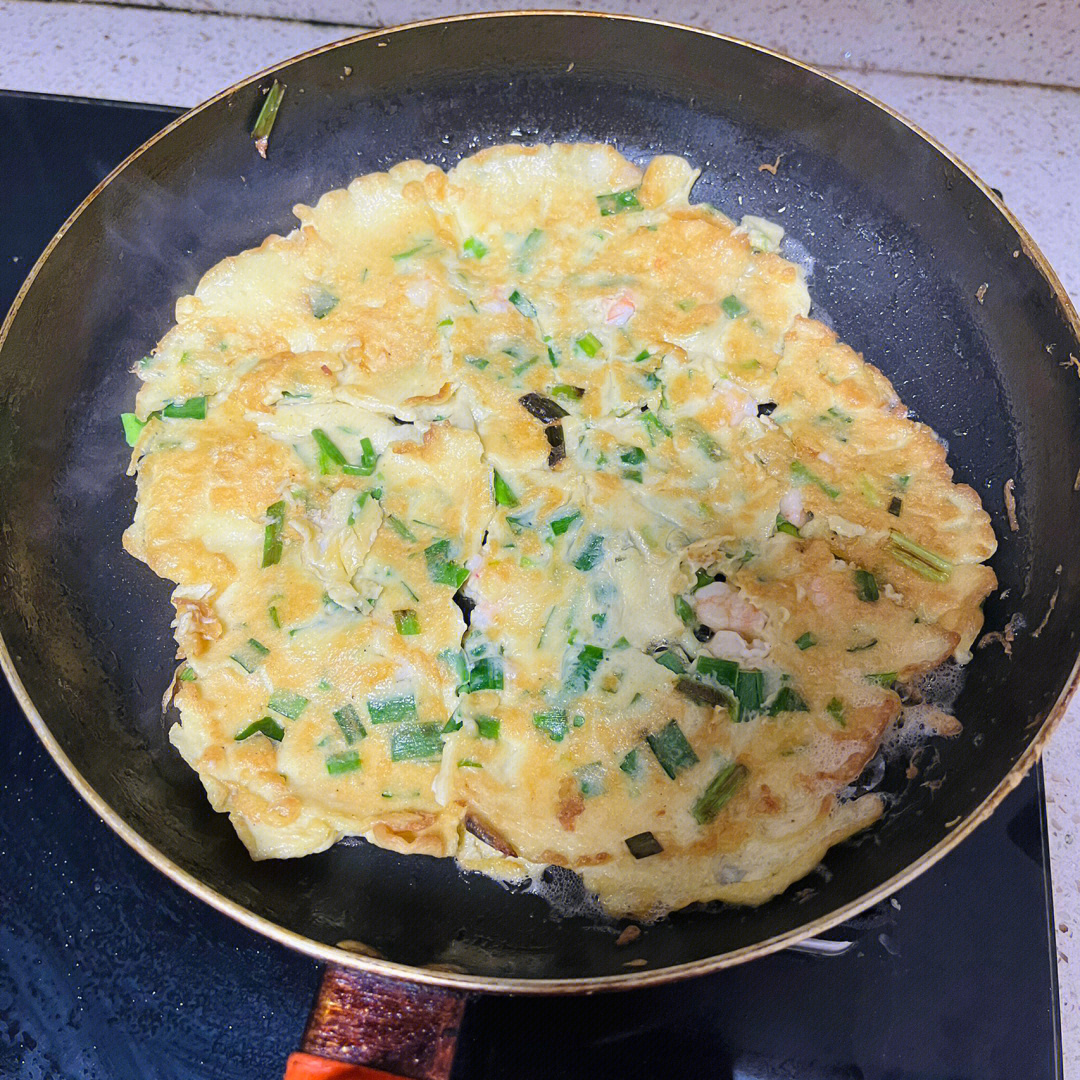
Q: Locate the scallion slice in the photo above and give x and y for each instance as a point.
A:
(486, 674)
(589, 344)
(653, 423)
(835, 709)
(896, 504)
(348, 719)
(883, 678)
(787, 700)
(722, 672)
(632, 455)
(368, 457)
(619, 202)
(192, 409)
(631, 763)
(272, 545)
(528, 248)
(800, 474)
(590, 779)
(487, 727)
(671, 749)
(643, 844)
(591, 553)
(559, 525)
(329, 454)
(264, 122)
(414, 742)
(322, 302)
(250, 655)
(288, 703)
(866, 587)
(672, 661)
(474, 248)
(440, 569)
(407, 622)
(343, 762)
(915, 557)
(565, 390)
(806, 641)
(553, 722)
(733, 307)
(750, 690)
(584, 667)
(132, 427)
(785, 526)
(400, 528)
(267, 726)
(503, 495)
(523, 304)
(685, 611)
(716, 796)
(392, 710)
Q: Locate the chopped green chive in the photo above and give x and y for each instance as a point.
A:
(671, 749)
(722, 672)
(570, 393)
(915, 557)
(883, 678)
(528, 248)
(733, 307)
(400, 528)
(468, 763)
(643, 355)
(322, 303)
(275, 618)
(523, 304)
(835, 709)
(392, 710)
(250, 655)
(267, 726)
(806, 641)
(348, 719)
(329, 454)
(701, 580)
(750, 690)
(643, 844)
(477, 362)
(559, 525)
(343, 762)
(802, 475)
(866, 586)
(685, 611)
(590, 779)
(192, 409)
(591, 553)
(456, 661)
(672, 661)
(407, 621)
(132, 427)
(584, 667)
(474, 248)
(787, 701)
(589, 344)
(288, 703)
(187, 675)
(453, 724)
(631, 764)
(412, 742)
(486, 674)
(368, 457)
(632, 455)
(553, 722)
(272, 544)
(440, 569)
(412, 251)
(896, 504)
(686, 305)
(713, 799)
(653, 423)
(785, 526)
(503, 495)
(710, 697)
(864, 646)
(487, 727)
(619, 202)
(264, 122)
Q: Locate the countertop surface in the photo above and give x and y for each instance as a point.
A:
(1000, 89)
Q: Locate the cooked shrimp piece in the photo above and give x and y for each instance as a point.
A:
(720, 607)
(620, 311)
(791, 506)
(727, 645)
(739, 404)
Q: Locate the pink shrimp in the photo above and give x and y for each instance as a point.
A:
(620, 311)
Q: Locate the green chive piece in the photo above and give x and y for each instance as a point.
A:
(710, 697)
(412, 251)
(570, 393)
(272, 544)
(883, 678)
(800, 474)
(523, 304)
(653, 423)
(750, 690)
(329, 454)
(643, 844)
(559, 525)
(468, 763)
(785, 526)
(552, 721)
(407, 621)
(343, 762)
(477, 362)
(806, 641)
(631, 764)
(414, 742)
(487, 727)
(400, 528)
(322, 303)
(368, 457)
(453, 724)
(671, 749)
(722, 672)
(474, 248)
(503, 495)
(632, 455)
(622, 643)
(440, 569)
(187, 675)
(584, 667)
(591, 553)
(787, 701)
(619, 202)
(590, 779)
(132, 427)
(250, 655)
(486, 674)
(716, 796)
(528, 248)
(267, 726)
(348, 719)
(392, 710)
(589, 344)
(264, 122)
(455, 660)
(835, 709)
(896, 504)
(685, 612)
(733, 307)
(863, 647)
(192, 409)
(287, 703)
(702, 579)
(866, 586)
(672, 661)
(915, 557)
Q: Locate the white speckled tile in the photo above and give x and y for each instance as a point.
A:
(997, 39)
(1020, 139)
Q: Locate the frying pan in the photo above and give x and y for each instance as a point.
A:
(912, 259)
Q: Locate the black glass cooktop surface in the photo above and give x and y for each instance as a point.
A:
(109, 971)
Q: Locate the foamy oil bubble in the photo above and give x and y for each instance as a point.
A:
(927, 710)
(564, 892)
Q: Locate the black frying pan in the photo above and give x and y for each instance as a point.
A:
(915, 263)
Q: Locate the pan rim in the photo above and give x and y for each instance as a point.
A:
(331, 954)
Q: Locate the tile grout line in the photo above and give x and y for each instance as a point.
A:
(845, 71)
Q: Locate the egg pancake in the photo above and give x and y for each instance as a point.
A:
(520, 514)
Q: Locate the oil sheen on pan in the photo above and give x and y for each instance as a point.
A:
(520, 514)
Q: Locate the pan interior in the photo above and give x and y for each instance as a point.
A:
(898, 241)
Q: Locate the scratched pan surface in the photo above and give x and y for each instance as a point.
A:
(901, 239)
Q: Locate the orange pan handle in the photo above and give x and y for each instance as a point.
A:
(367, 1027)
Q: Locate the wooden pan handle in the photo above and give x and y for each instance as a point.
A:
(366, 1027)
